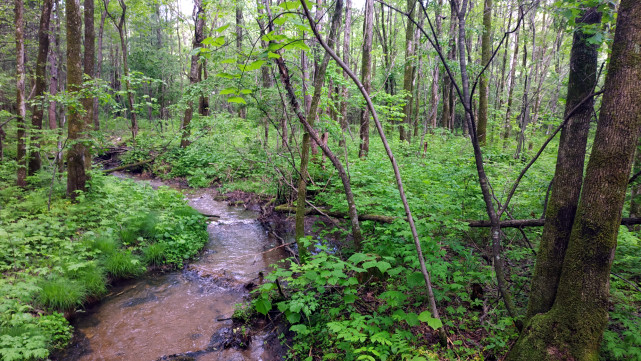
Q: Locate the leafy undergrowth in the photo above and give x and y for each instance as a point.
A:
(372, 304)
(53, 261)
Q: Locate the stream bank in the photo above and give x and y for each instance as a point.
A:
(186, 314)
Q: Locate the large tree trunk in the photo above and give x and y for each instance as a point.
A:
(76, 177)
(566, 185)
(90, 52)
(194, 71)
(573, 328)
(366, 74)
(21, 155)
(37, 111)
(486, 53)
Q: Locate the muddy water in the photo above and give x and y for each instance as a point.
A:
(185, 312)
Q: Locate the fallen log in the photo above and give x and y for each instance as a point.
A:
(283, 208)
(127, 166)
(516, 223)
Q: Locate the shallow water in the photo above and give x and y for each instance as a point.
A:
(185, 311)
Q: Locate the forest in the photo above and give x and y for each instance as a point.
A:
(320, 180)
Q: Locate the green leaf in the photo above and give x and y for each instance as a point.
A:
(238, 100)
(290, 5)
(263, 306)
(292, 317)
(222, 28)
(301, 329)
(358, 257)
(272, 55)
(252, 66)
(298, 44)
(228, 91)
(383, 266)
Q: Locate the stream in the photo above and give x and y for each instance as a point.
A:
(185, 314)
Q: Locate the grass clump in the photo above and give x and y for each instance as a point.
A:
(92, 277)
(61, 293)
(154, 254)
(105, 244)
(123, 264)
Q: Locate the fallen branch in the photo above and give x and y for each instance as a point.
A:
(516, 223)
(310, 211)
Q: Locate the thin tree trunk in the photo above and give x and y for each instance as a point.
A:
(366, 74)
(90, 52)
(194, 71)
(242, 111)
(486, 53)
(21, 155)
(41, 83)
(346, 50)
(397, 175)
(511, 86)
(96, 120)
(408, 74)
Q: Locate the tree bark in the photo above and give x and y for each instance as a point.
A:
(573, 328)
(96, 120)
(511, 85)
(346, 49)
(408, 74)
(21, 155)
(566, 184)
(37, 111)
(76, 177)
(486, 53)
(366, 74)
(89, 70)
(194, 70)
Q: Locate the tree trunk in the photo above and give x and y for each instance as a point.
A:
(573, 328)
(566, 184)
(408, 74)
(436, 73)
(284, 74)
(242, 111)
(120, 26)
(21, 155)
(510, 93)
(90, 52)
(366, 74)
(194, 70)
(486, 53)
(76, 177)
(448, 89)
(96, 120)
(37, 111)
(346, 49)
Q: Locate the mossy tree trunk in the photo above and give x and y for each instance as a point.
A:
(21, 154)
(573, 328)
(566, 185)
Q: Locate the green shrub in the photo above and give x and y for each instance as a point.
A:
(61, 293)
(128, 235)
(122, 264)
(154, 254)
